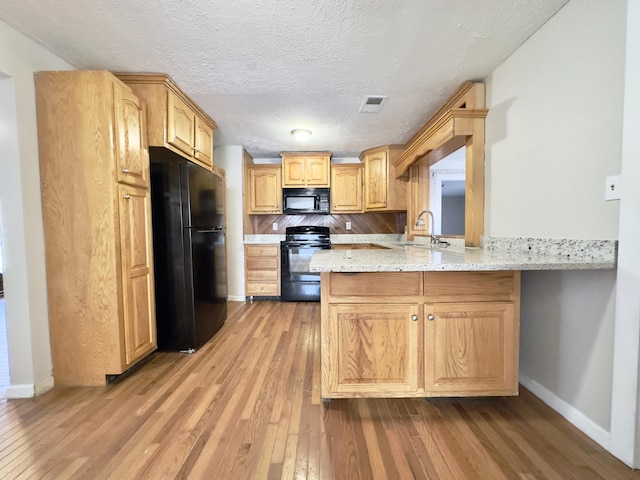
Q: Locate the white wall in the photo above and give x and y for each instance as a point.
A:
(624, 412)
(23, 237)
(231, 158)
(553, 135)
(553, 128)
(452, 216)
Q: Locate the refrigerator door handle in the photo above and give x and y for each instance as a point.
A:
(206, 230)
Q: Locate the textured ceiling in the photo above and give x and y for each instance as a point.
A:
(262, 68)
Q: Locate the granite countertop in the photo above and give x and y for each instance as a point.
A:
(263, 239)
(495, 254)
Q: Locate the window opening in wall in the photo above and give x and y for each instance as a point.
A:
(447, 196)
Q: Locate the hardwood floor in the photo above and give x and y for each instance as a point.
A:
(248, 405)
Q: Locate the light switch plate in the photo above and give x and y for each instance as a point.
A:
(613, 187)
(274, 226)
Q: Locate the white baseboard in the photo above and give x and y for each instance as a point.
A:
(27, 390)
(44, 386)
(572, 414)
(236, 298)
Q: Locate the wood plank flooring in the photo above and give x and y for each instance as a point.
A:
(248, 406)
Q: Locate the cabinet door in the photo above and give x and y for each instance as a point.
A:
(346, 189)
(180, 124)
(376, 178)
(471, 349)
(317, 171)
(203, 143)
(373, 348)
(265, 191)
(139, 322)
(132, 158)
(293, 172)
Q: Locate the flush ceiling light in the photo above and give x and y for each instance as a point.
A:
(300, 134)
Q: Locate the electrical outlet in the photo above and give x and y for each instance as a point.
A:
(612, 188)
(348, 225)
(274, 226)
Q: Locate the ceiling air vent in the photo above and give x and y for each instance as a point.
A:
(372, 103)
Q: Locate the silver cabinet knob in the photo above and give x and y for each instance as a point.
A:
(127, 196)
(414, 318)
(125, 170)
(430, 316)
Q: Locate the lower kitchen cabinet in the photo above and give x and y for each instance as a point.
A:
(471, 349)
(262, 270)
(374, 349)
(415, 334)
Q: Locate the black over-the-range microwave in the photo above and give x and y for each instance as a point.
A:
(297, 201)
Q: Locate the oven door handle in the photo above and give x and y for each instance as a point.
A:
(307, 245)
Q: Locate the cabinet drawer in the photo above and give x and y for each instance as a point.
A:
(262, 275)
(471, 286)
(262, 263)
(262, 250)
(262, 288)
(375, 284)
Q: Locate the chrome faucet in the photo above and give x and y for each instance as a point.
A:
(435, 239)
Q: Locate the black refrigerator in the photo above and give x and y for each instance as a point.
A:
(189, 253)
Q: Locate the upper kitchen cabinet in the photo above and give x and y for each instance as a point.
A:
(174, 120)
(264, 189)
(306, 169)
(346, 189)
(383, 192)
(94, 170)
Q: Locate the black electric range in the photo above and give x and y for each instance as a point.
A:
(298, 284)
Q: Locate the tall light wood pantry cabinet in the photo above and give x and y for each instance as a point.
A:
(94, 168)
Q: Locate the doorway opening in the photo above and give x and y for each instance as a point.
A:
(5, 379)
(8, 157)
